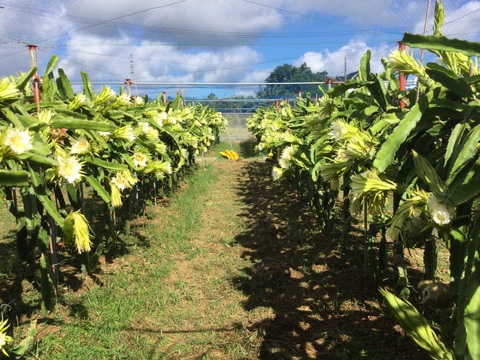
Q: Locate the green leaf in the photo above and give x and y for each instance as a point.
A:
(389, 148)
(13, 178)
(468, 286)
(27, 343)
(64, 86)
(364, 69)
(446, 108)
(439, 18)
(13, 118)
(175, 104)
(468, 148)
(72, 114)
(475, 103)
(341, 89)
(464, 173)
(44, 199)
(49, 88)
(441, 43)
(51, 64)
(87, 87)
(71, 123)
(106, 164)
(453, 145)
(415, 325)
(146, 144)
(39, 159)
(449, 79)
(128, 160)
(427, 173)
(471, 80)
(466, 191)
(24, 80)
(378, 91)
(385, 121)
(95, 184)
(39, 147)
(472, 325)
(38, 127)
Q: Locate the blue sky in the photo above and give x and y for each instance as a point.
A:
(204, 41)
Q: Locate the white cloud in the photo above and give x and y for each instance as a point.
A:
(334, 61)
(176, 20)
(159, 63)
(256, 75)
(212, 40)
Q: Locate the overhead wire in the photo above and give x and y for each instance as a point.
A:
(115, 22)
(116, 18)
(84, 65)
(462, 17)
(198, 32)
(296, 14)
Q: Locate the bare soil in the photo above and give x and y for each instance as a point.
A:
(300, 296)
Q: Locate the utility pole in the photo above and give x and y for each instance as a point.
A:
(422, 53)
(132, 74)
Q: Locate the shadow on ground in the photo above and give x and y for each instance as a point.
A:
(247, 149)
(323, 307)
(20, 277)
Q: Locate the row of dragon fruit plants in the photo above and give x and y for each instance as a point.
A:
(110, 145)
(414, 151)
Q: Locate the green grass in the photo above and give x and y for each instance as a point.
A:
(114, 321)
(8, 258)
(171, 297)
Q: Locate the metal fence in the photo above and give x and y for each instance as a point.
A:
(237, 127)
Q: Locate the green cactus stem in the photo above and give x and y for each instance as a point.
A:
(430, 257)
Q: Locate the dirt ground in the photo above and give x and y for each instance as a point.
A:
(302, 298)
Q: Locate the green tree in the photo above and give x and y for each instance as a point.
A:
(235, 103)
(290, 73)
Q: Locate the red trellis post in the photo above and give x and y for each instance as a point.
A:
(401, 78)
(329, 83)
(129, 83)
(36, 97)
(35, 80)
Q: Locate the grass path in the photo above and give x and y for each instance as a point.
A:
(206, 318)
(232, 267)
(170, 295)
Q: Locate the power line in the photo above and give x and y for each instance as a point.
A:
(297, 14)
(201, 32)
(117, 18)
(259, 38)
(14, 53)
(81, 64)
(461, 17)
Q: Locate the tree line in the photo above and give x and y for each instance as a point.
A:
(285, 73)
